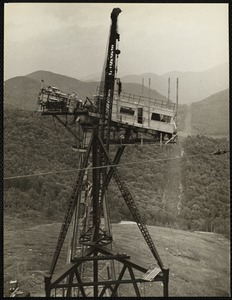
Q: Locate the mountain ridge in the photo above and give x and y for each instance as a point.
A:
(193, 86)
(21, 90)
(210, 116)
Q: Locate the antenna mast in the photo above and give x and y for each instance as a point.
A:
(177, 96)
(168, 90)
(142, 85)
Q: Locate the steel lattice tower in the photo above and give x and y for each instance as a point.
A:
(91, 241)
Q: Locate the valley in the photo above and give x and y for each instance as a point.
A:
(184, 200)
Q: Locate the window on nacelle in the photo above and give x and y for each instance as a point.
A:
(127, 110)
(155, 117)
(162, 118)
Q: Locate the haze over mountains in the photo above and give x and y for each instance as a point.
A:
(193, 86)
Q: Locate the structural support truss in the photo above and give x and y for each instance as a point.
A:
(126, 275)
(95, 238)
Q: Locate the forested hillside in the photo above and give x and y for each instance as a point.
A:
(37, 144)
(32, 144)
(211, 115)
(205, 181)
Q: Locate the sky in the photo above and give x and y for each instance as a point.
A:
(71, 38)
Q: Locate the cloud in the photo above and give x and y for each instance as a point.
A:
(73, 51)
(70, 38)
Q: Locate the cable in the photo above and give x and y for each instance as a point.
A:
(107, 166)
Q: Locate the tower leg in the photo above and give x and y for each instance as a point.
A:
(47, 281)
(95, 276)
(165, 281)
(134, 283)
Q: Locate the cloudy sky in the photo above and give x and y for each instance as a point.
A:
(71, 38)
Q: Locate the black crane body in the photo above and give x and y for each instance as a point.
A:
(102, 122)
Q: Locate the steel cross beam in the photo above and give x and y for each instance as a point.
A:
(80, 282)
(65, 125)
(71, 272)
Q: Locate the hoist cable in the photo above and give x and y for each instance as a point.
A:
(107, 166)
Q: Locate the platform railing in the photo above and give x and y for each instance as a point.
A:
(142, 100)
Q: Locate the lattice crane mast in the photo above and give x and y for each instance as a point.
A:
(104, 120)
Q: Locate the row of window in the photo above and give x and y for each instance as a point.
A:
(154, 116)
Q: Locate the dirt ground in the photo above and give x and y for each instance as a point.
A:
(199, 262)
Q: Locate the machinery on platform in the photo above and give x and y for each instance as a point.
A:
(111, 117)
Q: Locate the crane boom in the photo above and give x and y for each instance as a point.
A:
(106, 107)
